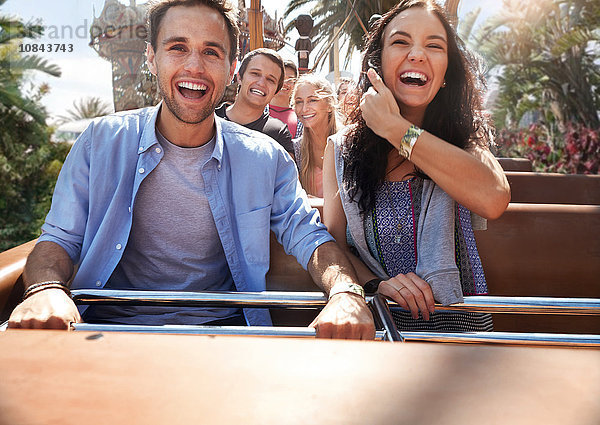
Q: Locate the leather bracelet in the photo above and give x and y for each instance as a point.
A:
(42, 286)
(351, 288)
(371, 286)
(408, 141)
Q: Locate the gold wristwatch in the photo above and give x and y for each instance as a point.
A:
(352, 288)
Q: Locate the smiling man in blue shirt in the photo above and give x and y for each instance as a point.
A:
(172, 197)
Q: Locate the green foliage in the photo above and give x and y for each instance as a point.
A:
(546, 54)
(29, 162)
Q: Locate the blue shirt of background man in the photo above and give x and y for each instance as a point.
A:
(251, 184)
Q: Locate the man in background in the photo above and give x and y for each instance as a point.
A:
(260, 76)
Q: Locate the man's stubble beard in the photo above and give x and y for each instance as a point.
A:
(177, 110)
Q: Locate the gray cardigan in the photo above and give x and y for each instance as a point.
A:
(435, 238)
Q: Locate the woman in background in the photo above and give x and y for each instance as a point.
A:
(314, 104)
(348, 98)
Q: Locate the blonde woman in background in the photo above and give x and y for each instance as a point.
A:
(314, 104)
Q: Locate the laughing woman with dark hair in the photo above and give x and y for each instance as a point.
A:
(399, 183)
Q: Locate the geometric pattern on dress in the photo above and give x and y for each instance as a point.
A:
(471, 245)
(462, 257)
(299, 128)
(394, 227)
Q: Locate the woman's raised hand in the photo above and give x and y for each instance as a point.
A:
(380, 110)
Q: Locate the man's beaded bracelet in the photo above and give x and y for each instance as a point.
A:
(42, 286)
(408, 141)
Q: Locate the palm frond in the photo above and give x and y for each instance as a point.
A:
(577, 37)
(35, 63)
(467, 23)
(11, 98)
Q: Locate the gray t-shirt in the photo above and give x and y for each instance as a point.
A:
(173, 243)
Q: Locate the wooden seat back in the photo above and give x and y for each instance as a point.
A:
(554, 188)
(12, 262)
(515, 164)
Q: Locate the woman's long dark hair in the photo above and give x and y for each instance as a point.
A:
(453, 115)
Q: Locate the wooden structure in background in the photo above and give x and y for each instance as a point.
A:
(255, 24)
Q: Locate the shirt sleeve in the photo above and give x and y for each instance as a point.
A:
(285, 139)
(298, 227)
(66, 222)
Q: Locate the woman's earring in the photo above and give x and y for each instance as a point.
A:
(444, 84)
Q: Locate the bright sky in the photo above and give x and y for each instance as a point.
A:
(84, 73)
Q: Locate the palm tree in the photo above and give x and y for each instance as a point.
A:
(13, 66)
(89, 107)
(546, 53)
(350, 15)
(28, 161)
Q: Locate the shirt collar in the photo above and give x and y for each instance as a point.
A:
(280, 108)
(148, 138)
(218, 151)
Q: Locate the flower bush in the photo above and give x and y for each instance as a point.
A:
(574, 151)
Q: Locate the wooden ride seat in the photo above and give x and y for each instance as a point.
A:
(532, 250)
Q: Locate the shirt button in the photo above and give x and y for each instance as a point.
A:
(141, 148)
(157, 150)
(118, 246)
(98, 283)
(129, 209)
(141, 170)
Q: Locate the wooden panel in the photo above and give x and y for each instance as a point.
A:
(543, 250)
(515, 164)
(53, 377)
(553, 188)
(589, 325)
(12, 262)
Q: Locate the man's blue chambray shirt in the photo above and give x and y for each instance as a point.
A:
(251, 185)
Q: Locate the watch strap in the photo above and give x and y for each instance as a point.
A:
(352, 288)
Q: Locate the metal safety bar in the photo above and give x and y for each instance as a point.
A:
(382, 314)
(266, 299)
(505, 338)
(316, 300)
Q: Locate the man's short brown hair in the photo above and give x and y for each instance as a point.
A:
(290, 64)
(157, 10)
